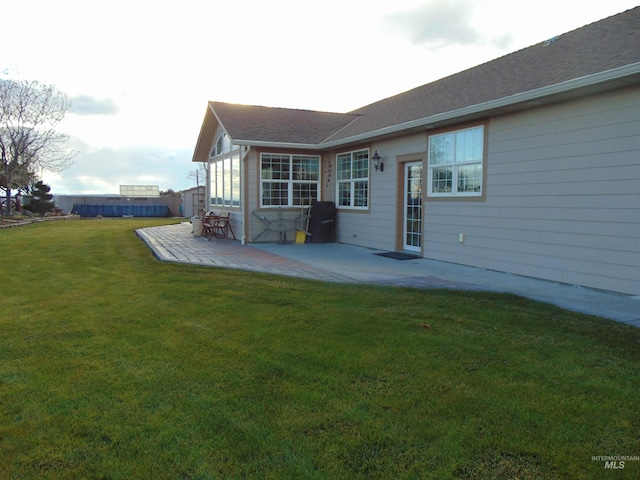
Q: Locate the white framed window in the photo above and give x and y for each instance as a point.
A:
(455, 163)
(352, 178)
(289, 180)
(225, 181)
(221, 146)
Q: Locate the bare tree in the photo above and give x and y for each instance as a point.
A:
(199, 175)
(29, 116)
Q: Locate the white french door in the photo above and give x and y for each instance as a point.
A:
(412, 230)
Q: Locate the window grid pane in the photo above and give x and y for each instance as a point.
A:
(353, 179)
(442, 179)
(275, 167)
(344, 166)
(469, 178)
(289, 180)
(344, 194)
(441, 149)
(468, 145)
(275, 194)
(304, 193)
(306, 168)
(360, 194)
(361, 164)
(455, 162)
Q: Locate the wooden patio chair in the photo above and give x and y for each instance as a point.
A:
(221, 226)
(208, 219)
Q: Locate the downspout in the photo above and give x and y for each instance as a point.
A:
(245, 195)
(207, 187)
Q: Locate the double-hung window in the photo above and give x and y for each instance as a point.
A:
(455, 163)
(353, 179)
(289, 180)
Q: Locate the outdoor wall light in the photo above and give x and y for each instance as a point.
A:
(377, 164)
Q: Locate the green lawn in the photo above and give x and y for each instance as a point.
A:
(116, 366)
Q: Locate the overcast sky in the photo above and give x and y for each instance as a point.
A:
(140, 73)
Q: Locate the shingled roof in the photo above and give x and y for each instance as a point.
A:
(282, 125)
(541, 70)
(598, 47)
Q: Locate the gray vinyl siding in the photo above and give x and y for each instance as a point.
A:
(562, 197)
(377, 227)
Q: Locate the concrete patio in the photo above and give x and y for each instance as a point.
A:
(335, 262)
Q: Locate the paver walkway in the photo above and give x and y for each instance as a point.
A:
(175, 243)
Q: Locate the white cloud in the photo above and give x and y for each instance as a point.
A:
(88, 105)
(439, 23)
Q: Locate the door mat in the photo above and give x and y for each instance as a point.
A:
(398, 255)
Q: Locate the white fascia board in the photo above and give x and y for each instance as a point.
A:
(587, 81)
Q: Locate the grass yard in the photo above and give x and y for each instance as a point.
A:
(116, 366)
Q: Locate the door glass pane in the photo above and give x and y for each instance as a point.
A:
(413, 207)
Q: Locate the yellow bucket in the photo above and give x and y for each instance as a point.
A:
(301, 236)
